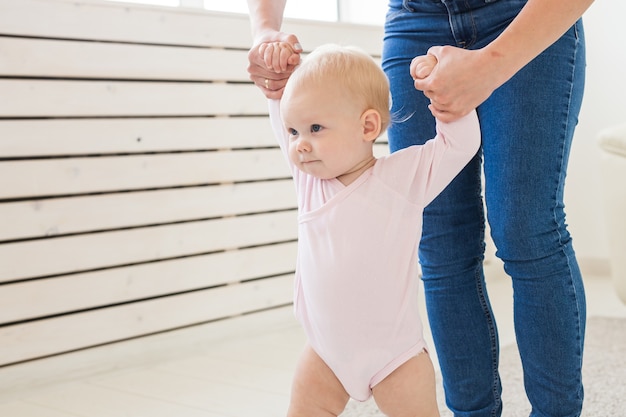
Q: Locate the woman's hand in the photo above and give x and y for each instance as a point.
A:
(460, 81)
(271, 61)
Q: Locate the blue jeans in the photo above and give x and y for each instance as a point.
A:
(527, 127)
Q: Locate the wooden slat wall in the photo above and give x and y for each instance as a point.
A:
(141, 189)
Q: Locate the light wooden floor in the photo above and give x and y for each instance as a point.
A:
(238, 368)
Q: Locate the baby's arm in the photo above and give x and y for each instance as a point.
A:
(279, 56)
(453, 147)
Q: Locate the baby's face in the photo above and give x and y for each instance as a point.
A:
(325, 131)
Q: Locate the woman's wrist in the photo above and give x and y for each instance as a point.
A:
(500, 64)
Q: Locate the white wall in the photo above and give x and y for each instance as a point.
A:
(604, 105)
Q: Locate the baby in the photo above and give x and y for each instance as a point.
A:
(359, 225)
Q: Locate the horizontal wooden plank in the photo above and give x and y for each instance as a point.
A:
(164, 25)
(28, 178)
(61, 334)
(49, 177)
(31, 299)
(53, 217)
(133, 23)
(56, 98)
(25, 57)
(55, 137)
(62, 255)
(66, 137)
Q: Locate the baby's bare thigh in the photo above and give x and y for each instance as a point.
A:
(316, 391)
(409, 391)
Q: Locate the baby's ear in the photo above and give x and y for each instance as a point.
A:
(371, 121)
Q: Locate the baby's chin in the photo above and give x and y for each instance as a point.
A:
(309, 168)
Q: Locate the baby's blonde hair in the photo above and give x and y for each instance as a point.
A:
(351, 69)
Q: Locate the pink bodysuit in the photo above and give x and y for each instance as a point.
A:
(356, 279)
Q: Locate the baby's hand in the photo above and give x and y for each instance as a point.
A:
(422, 66)
(279, 56)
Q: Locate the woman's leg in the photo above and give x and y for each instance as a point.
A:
(528, 126)
(452, 246)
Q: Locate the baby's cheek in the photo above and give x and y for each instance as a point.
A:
(293, 154)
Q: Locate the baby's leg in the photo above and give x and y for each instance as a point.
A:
(316, 391)
(409, 391)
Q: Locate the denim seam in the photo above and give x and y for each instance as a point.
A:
(491, 324)
(480, 289)
(565, 253)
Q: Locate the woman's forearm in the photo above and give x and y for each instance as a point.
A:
(266, 18)
(538, 25)
(265, 15)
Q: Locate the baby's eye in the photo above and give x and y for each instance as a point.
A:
(316, 128)
(292, 132)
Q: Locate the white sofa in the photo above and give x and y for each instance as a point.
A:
(612, 142)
